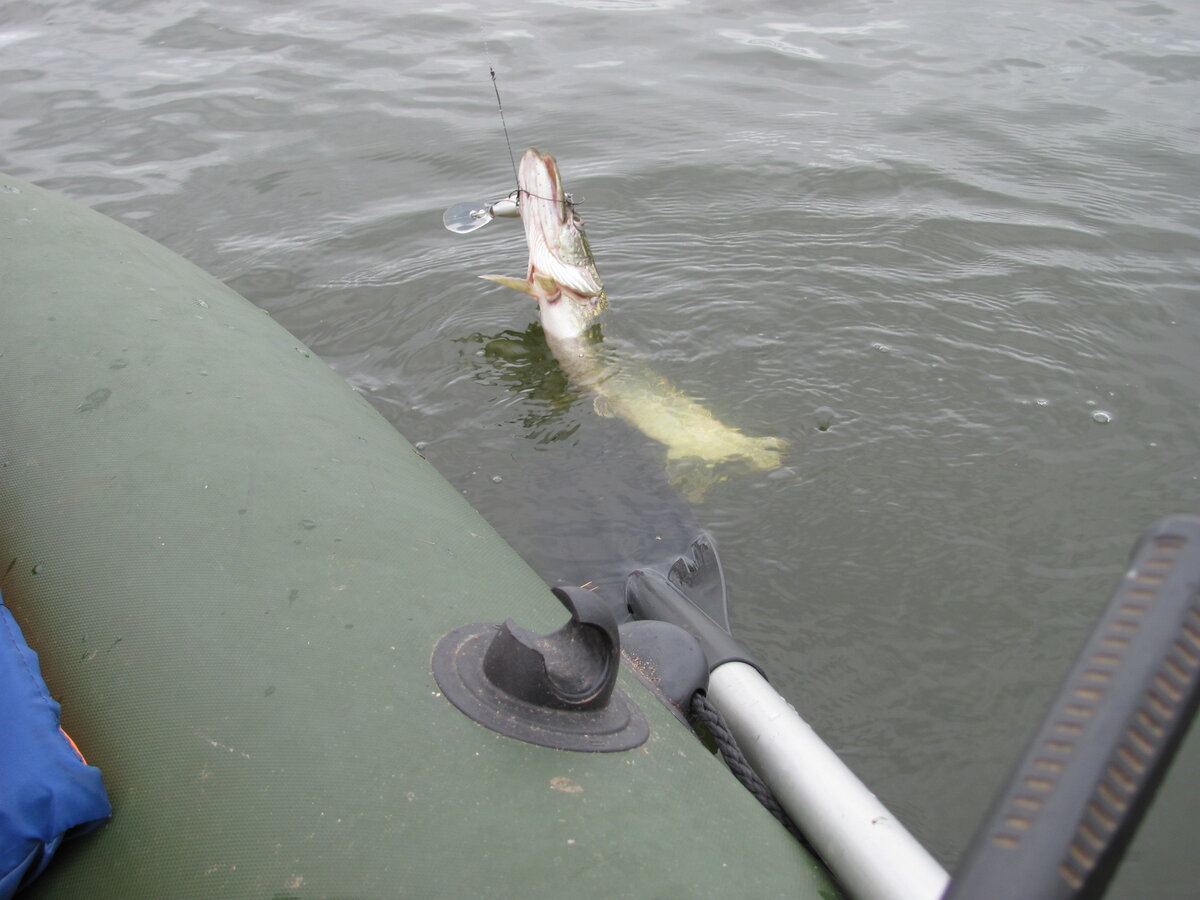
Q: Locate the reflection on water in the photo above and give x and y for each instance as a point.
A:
(522, 362)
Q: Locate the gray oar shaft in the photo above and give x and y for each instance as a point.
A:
(871, 854)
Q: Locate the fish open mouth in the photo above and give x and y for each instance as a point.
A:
(558, 246)
(538, 179)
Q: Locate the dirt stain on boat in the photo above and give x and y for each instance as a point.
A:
(94, 400)
(566, 785)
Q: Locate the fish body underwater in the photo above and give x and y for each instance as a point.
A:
(562, 278)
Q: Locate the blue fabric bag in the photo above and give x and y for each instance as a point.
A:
(47, 790)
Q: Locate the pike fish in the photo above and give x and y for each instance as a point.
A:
(562, 278)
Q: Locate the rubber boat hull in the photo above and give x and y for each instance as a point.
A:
(235, 572)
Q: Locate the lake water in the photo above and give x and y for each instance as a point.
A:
(949, 251)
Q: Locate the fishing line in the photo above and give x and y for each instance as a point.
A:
(500, 106)
(568, 200)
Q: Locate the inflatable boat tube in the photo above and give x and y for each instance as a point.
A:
(235, 573)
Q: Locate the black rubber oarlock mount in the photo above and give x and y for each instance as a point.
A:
(555, 690)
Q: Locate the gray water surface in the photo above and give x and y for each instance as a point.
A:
(949, 251)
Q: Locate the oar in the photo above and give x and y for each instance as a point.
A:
(866, 847)
(1060, 826)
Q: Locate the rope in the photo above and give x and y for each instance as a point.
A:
(732, 754)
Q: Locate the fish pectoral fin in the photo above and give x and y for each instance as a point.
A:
(545, 283)
(517, 284)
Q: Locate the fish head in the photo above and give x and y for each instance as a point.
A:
(561, 268)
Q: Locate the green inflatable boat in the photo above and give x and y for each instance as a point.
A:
(308, 668)
(236, 573)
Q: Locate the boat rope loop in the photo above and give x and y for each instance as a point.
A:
(731, 753)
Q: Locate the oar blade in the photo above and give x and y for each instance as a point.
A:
(1060, 826)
